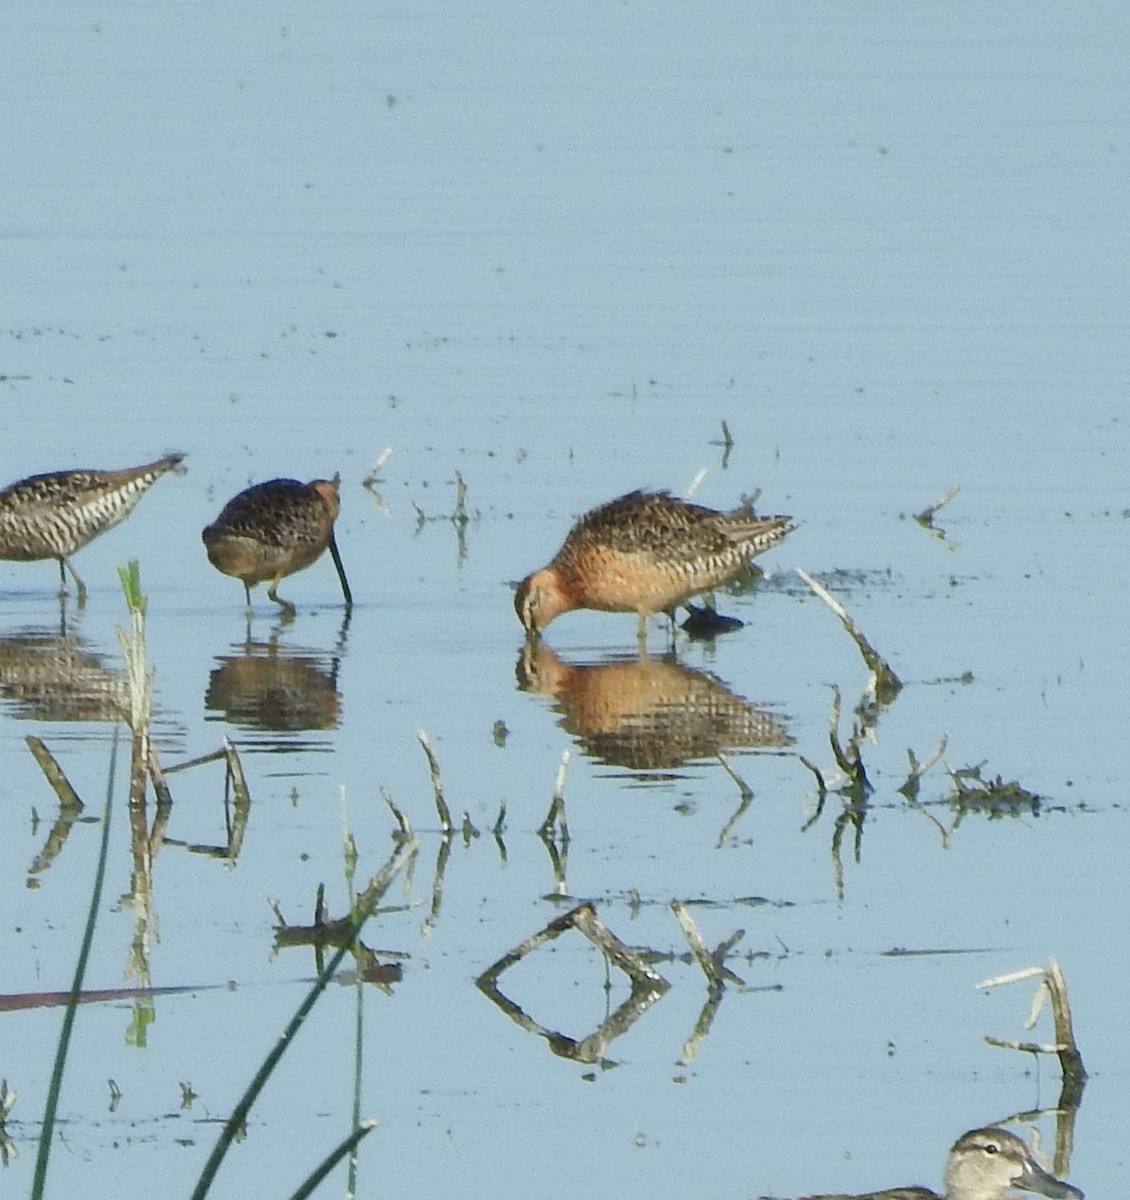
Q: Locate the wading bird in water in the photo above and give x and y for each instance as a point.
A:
(53, 515)
(272, 530)
(646, 552)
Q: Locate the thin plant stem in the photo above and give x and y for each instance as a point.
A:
(235, 1123)
(332, 1159)
(52, 1106)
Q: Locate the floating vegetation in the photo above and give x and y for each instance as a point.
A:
(994, 798)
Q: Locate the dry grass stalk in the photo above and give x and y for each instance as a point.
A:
(554, 827)
(884, 683)
(926, 516)
(437, 782)
(1053, 989)
(69, 801)
(404, 832)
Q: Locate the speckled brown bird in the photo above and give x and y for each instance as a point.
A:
(984, 1164)
(53, 515)
(274, 529)
(646, 552)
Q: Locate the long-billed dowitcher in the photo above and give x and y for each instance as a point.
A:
(272, 530)
(983, 1164)
(646, 552)
(53, 515)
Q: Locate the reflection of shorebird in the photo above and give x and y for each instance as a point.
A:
(273, 689)
(983, 1165)
(646, 713)
(272, 530)
(53, 515)
(646, 552)
(53, 677)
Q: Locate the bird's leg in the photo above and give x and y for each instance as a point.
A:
(247, 594)
(288, 609)
(64, 567)
(641, 634)
(340, 572)
(672, 628)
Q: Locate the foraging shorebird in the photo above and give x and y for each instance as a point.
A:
(646, 552)
(272, 530)
(984, 1164)
(53, 515)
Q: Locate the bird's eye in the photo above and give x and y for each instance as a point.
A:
(992, 1148)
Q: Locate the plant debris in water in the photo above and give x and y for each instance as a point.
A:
(995, 798)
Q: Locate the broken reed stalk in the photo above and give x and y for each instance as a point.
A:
(694, 940)
(1053, 987)
(437, 783)
(744, 790)
(69, 801)
(238, 779)
(712, 962)
(917, 769)
(926, 516)
(583, 918)
(139, 679)
(405, 826)
(555, 817)
(371, 479)
(459, 517)
(886, 684)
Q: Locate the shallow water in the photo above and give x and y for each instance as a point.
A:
(554, 256)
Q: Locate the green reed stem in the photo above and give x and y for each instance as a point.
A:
(51, 1108)
(235, 1123)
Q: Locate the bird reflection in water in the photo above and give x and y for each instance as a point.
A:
(647, 714)
(51, 676)
(278, 689)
